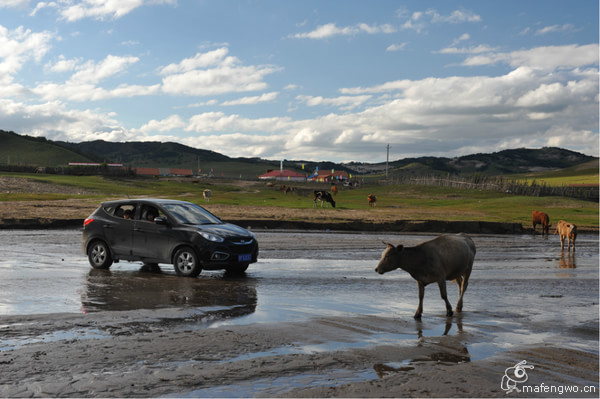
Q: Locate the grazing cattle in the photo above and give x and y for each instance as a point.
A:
(323, 196)
(207, 194)
(334, 189)
(538, 217)
(372, 200)
(447, 257)
(566, 231)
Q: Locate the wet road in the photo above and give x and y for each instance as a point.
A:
(303, 275)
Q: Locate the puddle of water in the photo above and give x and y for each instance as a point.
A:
(54, 336)
(276, 387)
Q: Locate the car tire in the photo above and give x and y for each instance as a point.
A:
(186, 262)
(99, 255)
(238, 269)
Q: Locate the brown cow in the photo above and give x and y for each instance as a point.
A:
(539, 217)
(447, 257)
(372, 200)
(568, 231)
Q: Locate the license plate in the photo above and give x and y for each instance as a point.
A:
(245, 258)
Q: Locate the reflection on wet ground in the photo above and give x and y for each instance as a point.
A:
(126, 290)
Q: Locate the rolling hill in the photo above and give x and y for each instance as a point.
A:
(16, 149)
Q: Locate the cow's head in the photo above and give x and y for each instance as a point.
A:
(389, 258)
(572, 229)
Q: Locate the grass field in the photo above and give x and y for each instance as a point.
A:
(395, 202)
(586, 173)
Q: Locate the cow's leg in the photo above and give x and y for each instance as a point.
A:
(574, 244)
(421, 295)
(569, 244)
(464, 283)
(562, 242)
(443, 293)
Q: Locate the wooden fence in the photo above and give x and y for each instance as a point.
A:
(587, 192)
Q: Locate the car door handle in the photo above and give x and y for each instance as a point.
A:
(107, 226)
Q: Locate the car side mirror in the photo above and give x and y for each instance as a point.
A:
(160, 220)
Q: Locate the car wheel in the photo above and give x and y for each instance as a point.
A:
(99, 255)
(186, 262)
(238, 269)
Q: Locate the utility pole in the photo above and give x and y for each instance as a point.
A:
(387, 160)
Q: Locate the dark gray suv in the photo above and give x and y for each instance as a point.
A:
(166, 231)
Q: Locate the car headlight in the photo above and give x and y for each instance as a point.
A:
(211, 237)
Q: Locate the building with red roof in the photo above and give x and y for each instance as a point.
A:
(283, 175)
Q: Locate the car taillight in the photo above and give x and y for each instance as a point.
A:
(87, 221)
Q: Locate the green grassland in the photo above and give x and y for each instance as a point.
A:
(586, 173)
(395, 202)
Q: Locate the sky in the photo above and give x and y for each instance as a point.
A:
(310, 80)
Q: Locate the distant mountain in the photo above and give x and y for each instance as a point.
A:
(504, 162)
(146, 153)
(25, 150)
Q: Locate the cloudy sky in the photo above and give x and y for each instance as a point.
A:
(312, 80)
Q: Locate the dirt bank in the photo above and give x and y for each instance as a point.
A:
(71, 212)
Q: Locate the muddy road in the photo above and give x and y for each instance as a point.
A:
(311, 318)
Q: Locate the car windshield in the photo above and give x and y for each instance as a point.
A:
(191, 214)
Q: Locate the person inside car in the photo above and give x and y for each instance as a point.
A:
(150, 214)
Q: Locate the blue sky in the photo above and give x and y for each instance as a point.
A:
(304, 80)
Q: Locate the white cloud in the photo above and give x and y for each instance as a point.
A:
(455, 17)
(62, 65)
(14, 3)
(479, 49)
(213, 73)
(41, 5)
(171, 123)
(331, 29)
(201, 60)
(344, 102)
(396, 47)
(419, 20)
(83, 84)
(546, 58)
(17, 47)
(95, 72)
(555, 29)
(102, 9)
(221, 122)
(56, 121)
(265, 97)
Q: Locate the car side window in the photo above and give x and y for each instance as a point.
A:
(149, 213)
(126, 211)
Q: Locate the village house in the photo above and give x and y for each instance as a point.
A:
(283, 175)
